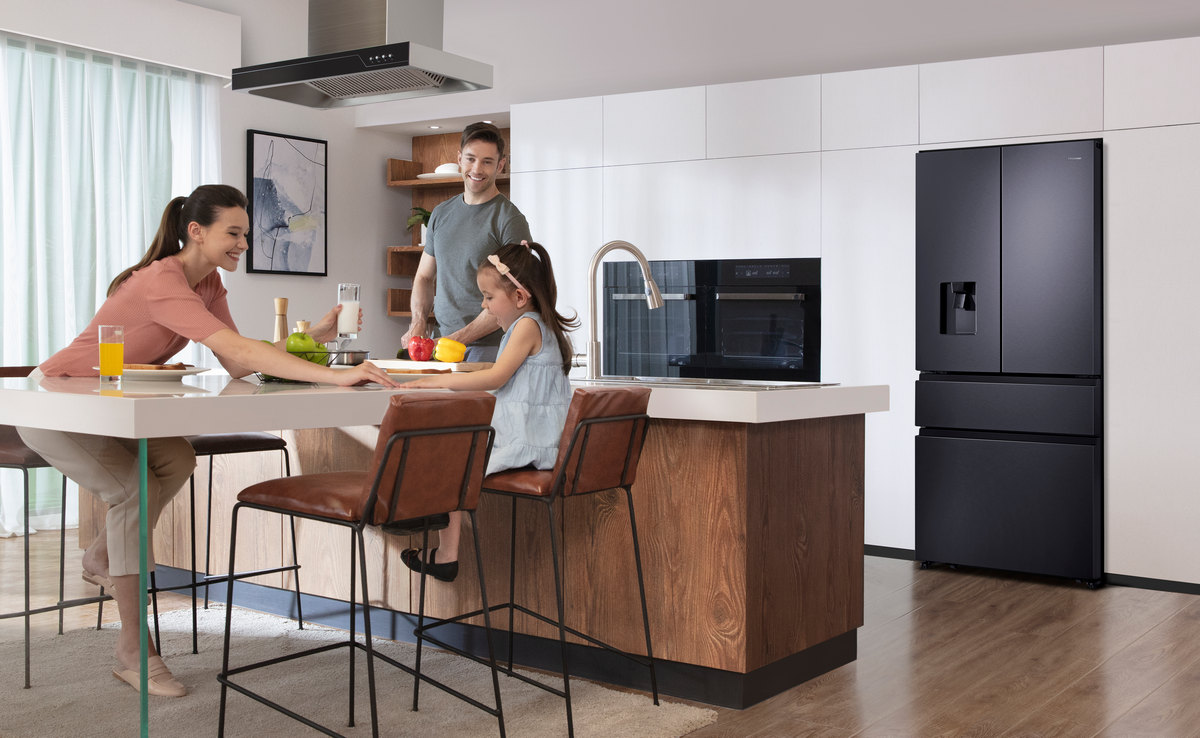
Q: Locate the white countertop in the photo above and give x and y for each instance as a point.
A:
(215, 403)
(755, 402)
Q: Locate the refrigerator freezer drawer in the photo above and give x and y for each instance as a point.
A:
(1017, 407)
(1017, 505)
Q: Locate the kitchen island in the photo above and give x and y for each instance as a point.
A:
(750, 511)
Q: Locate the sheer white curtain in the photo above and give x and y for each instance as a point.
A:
(92, 147)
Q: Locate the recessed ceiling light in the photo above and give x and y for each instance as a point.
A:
(435, 127)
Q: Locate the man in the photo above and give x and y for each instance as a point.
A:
(462, 231)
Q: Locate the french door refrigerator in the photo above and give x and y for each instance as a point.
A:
(1009, 455)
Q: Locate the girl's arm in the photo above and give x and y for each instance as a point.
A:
(525, 341)
(241, 356)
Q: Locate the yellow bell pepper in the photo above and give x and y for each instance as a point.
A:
(449, 350)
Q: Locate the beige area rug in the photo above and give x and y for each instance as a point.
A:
(74, 692)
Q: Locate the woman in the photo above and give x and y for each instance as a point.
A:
(173, 295)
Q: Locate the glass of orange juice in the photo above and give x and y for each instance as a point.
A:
(112, 352)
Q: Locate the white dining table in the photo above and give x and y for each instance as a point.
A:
(191, 405)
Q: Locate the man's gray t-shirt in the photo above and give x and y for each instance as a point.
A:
(460, 237)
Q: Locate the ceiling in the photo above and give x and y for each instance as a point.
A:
(548, 49)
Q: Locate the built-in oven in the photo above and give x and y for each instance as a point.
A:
(722, 318)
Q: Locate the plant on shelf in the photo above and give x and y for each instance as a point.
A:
(420, 216)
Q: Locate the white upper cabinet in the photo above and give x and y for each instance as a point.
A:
(751, 207)
(648, 127)
(562, 134)
(871, 108)
(1006, 96)
(771, 116)
(1152, 84)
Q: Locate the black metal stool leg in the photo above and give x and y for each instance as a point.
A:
(228, 620)
(512, 579)
(487, 621)
(353, 620)
(208, 532)
(62, 553)
(562, 618)
(154, 602)
(420, 620)
(25, 473)
(370, 646)
(192, 529)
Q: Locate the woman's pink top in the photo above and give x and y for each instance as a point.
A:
(160, 312)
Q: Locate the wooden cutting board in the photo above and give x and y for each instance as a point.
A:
(403, 366)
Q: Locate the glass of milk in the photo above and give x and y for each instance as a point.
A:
(348, 319)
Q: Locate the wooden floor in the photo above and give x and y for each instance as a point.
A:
(942, 653)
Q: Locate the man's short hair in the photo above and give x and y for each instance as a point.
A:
(482, 132)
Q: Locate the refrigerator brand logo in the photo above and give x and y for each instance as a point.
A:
(1074, 158)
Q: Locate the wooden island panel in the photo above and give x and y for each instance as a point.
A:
(751, 539)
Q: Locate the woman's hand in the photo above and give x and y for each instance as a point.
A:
(363, 373)
(325, 329)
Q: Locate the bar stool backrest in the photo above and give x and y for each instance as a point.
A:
(422, 473)
(595, 456)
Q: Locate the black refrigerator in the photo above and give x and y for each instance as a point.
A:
(1009, 399)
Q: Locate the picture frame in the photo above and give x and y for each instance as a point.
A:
(287, 180)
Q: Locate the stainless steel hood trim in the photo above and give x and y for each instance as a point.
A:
(376, 74)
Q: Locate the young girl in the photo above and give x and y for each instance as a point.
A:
(171, 296)
(529, 378)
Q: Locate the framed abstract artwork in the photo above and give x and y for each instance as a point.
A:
(287, 178)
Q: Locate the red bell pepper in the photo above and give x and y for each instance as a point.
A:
(420, 349)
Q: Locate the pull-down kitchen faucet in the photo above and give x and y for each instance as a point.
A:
(653, 297)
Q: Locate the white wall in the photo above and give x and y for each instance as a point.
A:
(1140, 98)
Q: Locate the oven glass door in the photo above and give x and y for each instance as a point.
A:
(764, 333)
(641, 342)
(638, 341)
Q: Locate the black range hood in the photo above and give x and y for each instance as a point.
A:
(377, 74)
(365, 52)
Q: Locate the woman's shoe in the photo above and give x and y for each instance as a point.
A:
(442, 572)
(98, 579)
(160, 682)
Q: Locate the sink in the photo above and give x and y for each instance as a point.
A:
(701, 383)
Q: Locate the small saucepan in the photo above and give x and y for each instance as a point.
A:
(348, 358)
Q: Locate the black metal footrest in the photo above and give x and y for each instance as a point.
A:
(421, 632)
(224, 678)
(62, 605)
(210, 579)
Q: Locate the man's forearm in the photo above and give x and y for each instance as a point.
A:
(482, 325)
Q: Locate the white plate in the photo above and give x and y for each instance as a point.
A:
(436, 175)
(165, 375)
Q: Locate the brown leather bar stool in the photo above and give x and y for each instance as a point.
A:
(429, 460)
(14, 454)
(599, 450)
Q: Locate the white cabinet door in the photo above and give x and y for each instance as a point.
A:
(1151, 189)
(753, 207)
(1025, 95)
(772, 116)
(868, 268)
(645, 127)
(874, 107)
(562, 134)
(1152, 84)
(563, 209)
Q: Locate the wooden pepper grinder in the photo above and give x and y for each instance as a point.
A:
(281, 323)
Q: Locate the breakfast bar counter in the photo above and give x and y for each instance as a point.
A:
(750, 514)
